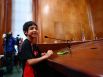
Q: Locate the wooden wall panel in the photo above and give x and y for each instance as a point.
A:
(70, 15)
(5, 19)
(97, 15)
(35, 10)
(78, 19)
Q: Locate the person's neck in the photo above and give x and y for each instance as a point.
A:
(33, 40)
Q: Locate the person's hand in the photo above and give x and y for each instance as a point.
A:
(49, 53)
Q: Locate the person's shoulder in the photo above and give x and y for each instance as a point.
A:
(25, 45)
(25, 42)
(12, 38)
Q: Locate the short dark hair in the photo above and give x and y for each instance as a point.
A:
(27, 25)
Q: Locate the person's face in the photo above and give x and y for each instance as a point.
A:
(32, 31)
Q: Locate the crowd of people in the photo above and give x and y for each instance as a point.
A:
(11, 48)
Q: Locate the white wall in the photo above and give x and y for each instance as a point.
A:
(21, 12)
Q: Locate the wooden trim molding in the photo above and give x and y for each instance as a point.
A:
(35, 10)
(5, 20)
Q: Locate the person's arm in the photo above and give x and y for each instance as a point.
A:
(36, 60)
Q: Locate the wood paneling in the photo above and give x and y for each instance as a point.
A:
(97, 15)
(5, 19)
(69, 15)
(78, 19)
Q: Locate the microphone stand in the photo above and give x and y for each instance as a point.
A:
(69, 46)
(54, 38)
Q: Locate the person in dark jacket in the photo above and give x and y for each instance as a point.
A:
(9, 52)
(30, 53)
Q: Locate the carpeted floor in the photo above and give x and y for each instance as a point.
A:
(17, 72)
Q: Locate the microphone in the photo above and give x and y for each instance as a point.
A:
(56, 38)
(68, 41)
